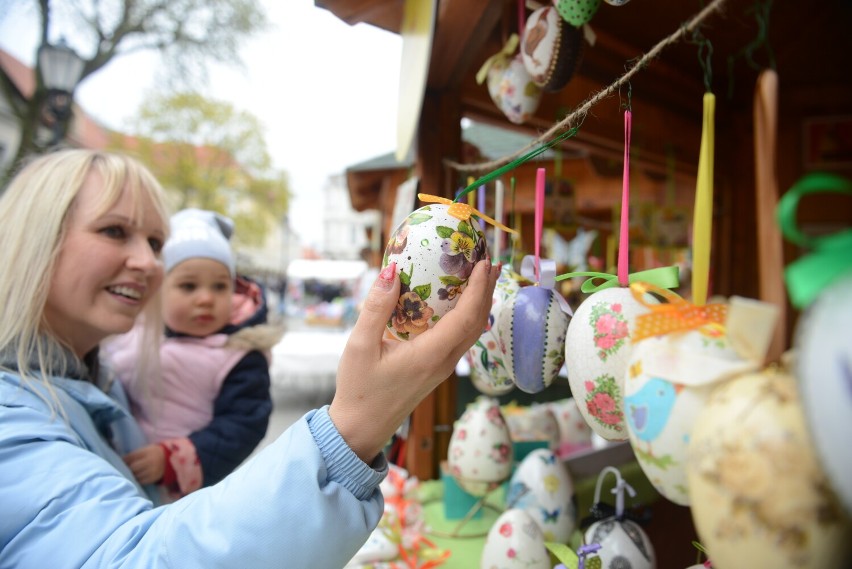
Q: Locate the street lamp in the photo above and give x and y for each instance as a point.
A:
(61, 69)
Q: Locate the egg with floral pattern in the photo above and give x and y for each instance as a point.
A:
(513, 90)
(480, 452)
(542, 485)
(515, 541)
(435, 253)
(759, 495)
(597, 349)
(531, 327)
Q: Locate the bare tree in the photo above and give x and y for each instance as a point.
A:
(188, 33)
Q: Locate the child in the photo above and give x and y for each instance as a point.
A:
(208, 406)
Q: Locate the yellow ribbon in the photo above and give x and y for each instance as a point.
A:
(504, 53)
(702, 218)
(678, 315)
(463, 211)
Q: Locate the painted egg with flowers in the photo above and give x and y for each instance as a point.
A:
(435, 253)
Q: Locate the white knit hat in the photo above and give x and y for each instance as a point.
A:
(198, 233)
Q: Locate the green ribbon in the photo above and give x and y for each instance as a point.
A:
(831, 255)
(663, 277)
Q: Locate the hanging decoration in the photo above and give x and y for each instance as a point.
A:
(551, 49)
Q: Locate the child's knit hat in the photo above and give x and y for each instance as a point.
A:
(199, 233)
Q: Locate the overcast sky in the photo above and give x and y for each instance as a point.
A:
(325, 91)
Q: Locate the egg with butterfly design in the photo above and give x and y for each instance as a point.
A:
(542, 486)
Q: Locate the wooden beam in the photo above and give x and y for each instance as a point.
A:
(461, 32)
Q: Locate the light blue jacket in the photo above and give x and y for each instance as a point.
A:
(67, 500)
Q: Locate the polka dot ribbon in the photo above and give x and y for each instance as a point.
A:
(677, 315)
(463, 211)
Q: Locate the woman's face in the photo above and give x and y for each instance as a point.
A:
(108, 268)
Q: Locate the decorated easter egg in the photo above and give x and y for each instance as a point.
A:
(597, 349)
(667, 384)
(480, 451)
(824, 368)
(435, 253)
(577, 12)
(515, 541)
(623, 544)
(486, 358)
(534, 422)
(575, 435)
(542, 486)
(531, 327)
(759, 497)
(513, 90)
(550, 49)
(616, 2)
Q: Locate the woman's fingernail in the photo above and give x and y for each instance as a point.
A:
(385, 280)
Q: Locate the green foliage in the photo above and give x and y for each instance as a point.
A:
(209, 155)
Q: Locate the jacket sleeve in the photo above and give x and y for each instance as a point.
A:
(306, 500)
(240, 419)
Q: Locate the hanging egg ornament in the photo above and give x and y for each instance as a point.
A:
(542, 486)
(480, 452)
(575, 435)
(623, 543)
(515, 542)
(486, 358)
(823, 365)
(531, 328)
(670, 376)
(551, 49)
(435, 253)
(597, 349)
(616, 2)
(513, 90)
(577, 12)
(759, 497)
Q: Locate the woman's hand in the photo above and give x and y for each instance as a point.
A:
(380, 380)
(147, 464)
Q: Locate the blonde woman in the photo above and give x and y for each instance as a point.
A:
(81, 233)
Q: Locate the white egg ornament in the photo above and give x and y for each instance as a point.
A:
(531, 327)
(542, 486)
(575, 435)
(670, 377)
(486, 358)
(759, 497)
(515, 541)
(597, 349)
(509, 83)
(480, 451)
(435, 253)
(824, 367)
(623, 543)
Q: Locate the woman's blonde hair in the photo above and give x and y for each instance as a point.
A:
(33, 222)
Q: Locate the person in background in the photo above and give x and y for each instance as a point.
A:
(83, 231)
(206, 406)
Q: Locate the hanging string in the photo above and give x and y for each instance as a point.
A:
(575, 118)
(705, 56)
(517, 162)
(761, 11)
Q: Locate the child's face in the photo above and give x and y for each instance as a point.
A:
(108, 267)
(197, 297)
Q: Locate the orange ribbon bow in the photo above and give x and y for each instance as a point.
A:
(678, 315)
(463, 211)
